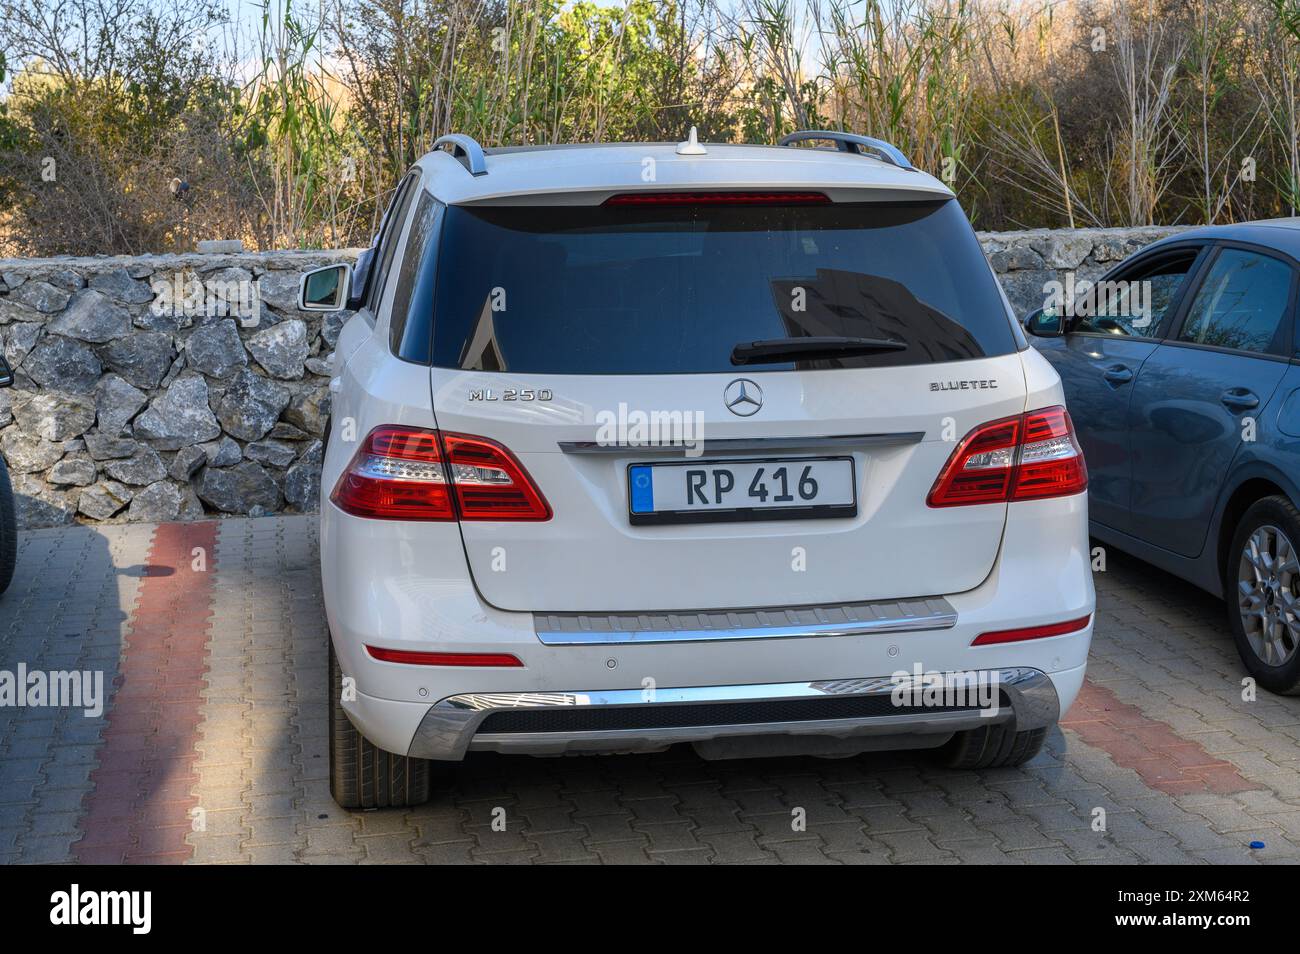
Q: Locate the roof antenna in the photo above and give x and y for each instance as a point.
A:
(691, 147)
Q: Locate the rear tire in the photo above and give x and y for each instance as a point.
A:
(362, 775)
(8, 529)
(1261, 585)
(992, 746)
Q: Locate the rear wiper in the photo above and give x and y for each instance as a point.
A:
(809, 348)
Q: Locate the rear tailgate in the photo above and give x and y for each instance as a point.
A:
(559, 331)
(590, 557)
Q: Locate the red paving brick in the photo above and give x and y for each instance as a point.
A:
(1164, 759)
(138, 810)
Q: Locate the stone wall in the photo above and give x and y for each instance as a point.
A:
(137, 399)
(163, 387)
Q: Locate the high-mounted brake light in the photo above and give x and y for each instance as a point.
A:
(718, 198)
(413, 658)
(1031, 632)
(1027, 457)
(402, 473)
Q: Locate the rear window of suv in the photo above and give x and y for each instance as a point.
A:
(673, 289)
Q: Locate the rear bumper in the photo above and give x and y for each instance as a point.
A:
(406, 586)
(555, 723)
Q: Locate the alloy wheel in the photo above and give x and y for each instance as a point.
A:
(1268, 599)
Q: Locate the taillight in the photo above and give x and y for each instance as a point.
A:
(490, 483)
(717, 198)
(1051, 463)
(410, 473)
(1026, 457)
(396, 474)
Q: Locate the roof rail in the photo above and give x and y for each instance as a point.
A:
(848, 142)
(466, 150)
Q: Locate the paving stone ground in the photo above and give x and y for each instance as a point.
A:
(1161, 741)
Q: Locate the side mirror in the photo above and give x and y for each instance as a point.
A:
(1045, 324)
(324, 289)
(6, 373)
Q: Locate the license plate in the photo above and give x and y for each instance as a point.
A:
(720, 491)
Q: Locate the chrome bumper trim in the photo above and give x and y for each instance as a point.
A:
(450, 727)
(847, 619)
(728, 445)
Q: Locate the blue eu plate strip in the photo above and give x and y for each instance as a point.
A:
(642, 487)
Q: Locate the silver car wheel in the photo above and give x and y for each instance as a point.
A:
(1267, 580)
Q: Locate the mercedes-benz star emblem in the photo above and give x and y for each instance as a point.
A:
(743, 397)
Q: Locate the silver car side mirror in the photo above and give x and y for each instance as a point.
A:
(324, 289)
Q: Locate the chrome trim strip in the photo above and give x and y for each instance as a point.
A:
(448, 729)
(744, 444)
(487, 701)
(684, 626)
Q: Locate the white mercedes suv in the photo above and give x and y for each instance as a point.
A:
(643, 444)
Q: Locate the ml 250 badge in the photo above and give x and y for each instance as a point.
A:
(511, 394)
(968, 384)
